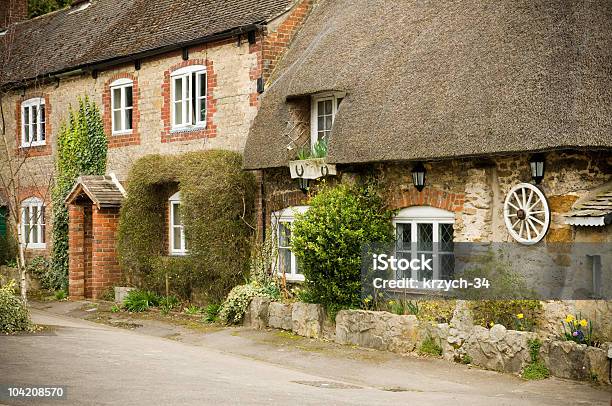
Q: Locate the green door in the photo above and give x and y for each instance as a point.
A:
(3, 213)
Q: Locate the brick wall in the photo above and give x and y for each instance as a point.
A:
(122, 140)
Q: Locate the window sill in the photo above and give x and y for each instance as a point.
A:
(178, 254)
(36, 247)
(292, 277)
(119, 133)
(187, 129)
(38, 144)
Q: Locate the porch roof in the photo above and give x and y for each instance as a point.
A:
(102, 190)
(595, 209)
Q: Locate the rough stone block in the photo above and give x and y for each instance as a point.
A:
(279, 315)
(257, 313)
(379, 330)
(498, 349)
(307, 319)
(121, 292)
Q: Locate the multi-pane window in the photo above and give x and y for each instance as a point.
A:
(33, 223)
(426, 233)
(178, 244)
(122, 105)
(287, 262)
(324, 110)
(188, 93)
(33, 122)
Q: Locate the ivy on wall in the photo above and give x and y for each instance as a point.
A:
(82, 147)
(217, 209)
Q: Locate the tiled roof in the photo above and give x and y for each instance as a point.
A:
(103, 191)
(594, 209)
(113, 29)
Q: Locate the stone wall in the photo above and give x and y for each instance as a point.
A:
(496, 348)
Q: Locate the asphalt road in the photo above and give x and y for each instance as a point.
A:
(101, 365)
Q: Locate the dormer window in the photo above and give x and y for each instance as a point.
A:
(323, 112)
(188, 92)
(122, 106)
(33, 122)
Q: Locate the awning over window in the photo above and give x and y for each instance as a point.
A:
(103, 190)
(595, 209)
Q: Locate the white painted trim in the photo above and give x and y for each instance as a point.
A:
(118, 184)
(425, 213)
(174, 200)
(122, 85)
(586, 221)
(188, 69)
(28, 104)
(29, 203)
(334, 96)
(287, 215)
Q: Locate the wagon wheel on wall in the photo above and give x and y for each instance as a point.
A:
(526, 213)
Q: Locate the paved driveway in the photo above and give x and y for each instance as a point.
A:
(105, 365)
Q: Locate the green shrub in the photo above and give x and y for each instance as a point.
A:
(8, 249)
(505, 312)
(211, 313)
(238, 300)
(192, 310)
(429, 346)
(140, 300)
(60, 295)
(437, 311)
(536, 369)
(466, 359)
(217, 207)
(14, 315)
(81, 150)
(328, 240)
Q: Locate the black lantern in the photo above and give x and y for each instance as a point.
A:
(537, 168)
(304, 184)
(418, 176)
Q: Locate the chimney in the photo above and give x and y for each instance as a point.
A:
(12, 11)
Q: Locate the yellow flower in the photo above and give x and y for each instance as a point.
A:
(569, 318)
(491, 324)
(583, 323)
(520, 316)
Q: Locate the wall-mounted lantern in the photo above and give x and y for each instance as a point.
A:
(537, 168)
(418, 176)
(304, 184)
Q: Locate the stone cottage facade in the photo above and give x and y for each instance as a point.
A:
(469, 97)
(169, 77)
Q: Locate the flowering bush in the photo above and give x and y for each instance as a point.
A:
(239, 298)
(577, 329)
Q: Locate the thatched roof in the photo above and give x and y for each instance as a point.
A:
(110, 31)
(432, 80)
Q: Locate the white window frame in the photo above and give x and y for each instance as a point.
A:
(175, 200)
(286, 215)
(314, 112)
(35, 130)
(122, 85)
(38, 225)
(185, 75)
(415, 215)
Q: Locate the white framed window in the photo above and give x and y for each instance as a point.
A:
(33, 119)
(188, 92)
(122, 106)
(322, 115)
(178, 244)
(286, 262)
(33, 223)
(426, 231)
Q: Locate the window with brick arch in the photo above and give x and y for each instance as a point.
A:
(424, 232)
(33, 223)
(122, 106)
(188, 92)
(33, 119)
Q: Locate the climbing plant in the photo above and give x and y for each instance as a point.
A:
(82, 147)
(217, 211)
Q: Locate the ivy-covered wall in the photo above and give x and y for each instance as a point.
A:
(217, 206)
(82, 147)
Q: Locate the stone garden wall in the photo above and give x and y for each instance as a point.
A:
(496, 348)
